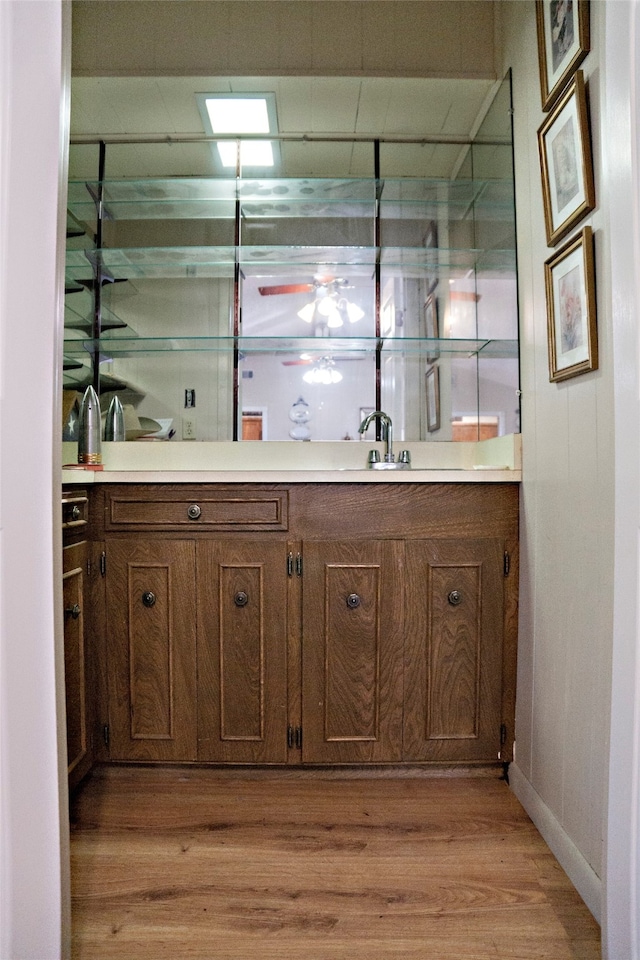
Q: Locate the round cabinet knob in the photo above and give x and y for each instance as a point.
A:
(454, 598)
(73, 611)
(193, 511)
(353, 601)
(148, 598)
(241, 599)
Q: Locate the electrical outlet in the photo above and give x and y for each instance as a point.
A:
(188, 428)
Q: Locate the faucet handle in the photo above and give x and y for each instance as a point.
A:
(374, 456)
(405, 457)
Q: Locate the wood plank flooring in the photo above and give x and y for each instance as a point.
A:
(189, 863)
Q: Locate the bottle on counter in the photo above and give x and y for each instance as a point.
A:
(114, 424)
(89, 423)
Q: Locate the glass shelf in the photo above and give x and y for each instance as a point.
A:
(112, 347)
(219, 262)
(75, 320)
(150, 262)
(215, 198)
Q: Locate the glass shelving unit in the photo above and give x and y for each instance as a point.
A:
(186, 282)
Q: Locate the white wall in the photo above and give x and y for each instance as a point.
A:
(33, 818)
(620, 155)
(567, 519)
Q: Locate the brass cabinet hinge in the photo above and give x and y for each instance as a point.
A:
(105, 734)
(103, 563)
(88, 566)
(503, 734)
(507, 564)
(294, 737)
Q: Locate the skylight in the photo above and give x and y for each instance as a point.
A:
(238, 114)
(253, 153)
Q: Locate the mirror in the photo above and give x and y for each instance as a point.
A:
(387, 281)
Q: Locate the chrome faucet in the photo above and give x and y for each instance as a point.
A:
(389, 463)
(385, 420)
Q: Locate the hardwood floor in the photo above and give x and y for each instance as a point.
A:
(190, 863)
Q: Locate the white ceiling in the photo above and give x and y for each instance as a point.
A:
(112, 107)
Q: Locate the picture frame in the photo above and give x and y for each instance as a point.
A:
(571, 308)
(563, 43)
(432, 383)
(430, 241)
(431, 326)
(566, 162)
(370, 432)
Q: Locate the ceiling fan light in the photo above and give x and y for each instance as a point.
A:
(334, 318)
(354, 312)
(307, 312)
(323, 373)
(325, 305)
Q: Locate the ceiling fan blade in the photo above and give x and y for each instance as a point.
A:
(296, 363)
(287, 288)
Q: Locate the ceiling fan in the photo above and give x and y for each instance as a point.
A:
(306, 359)
(319, 281)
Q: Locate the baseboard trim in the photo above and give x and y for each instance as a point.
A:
(583, 877)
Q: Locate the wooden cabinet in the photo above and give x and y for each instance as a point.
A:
(241, 602)
(76, 604)
(74, 567)
(352, 642)
(151, 642)
(453, 650)
(311, 623)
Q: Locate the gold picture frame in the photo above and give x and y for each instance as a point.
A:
(571, 308)
(432, 327)
(432, 383)
(566, 163)
(563, 43)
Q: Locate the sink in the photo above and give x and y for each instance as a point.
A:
(383, 465)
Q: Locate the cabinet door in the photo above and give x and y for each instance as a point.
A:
(453, 653)
(151, 643)
(74, 566)
(352, 652)
(242, 643)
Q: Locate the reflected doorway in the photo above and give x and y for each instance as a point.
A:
(253, 425)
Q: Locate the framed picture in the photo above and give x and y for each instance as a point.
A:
(430, 240)
(433, 399)
(571, 308)
(565, 161)
(370, 432)
(563, 43)
(431, 326)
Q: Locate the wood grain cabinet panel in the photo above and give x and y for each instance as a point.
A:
(352, 652)
(151, 631)
(242, 643)
(74, 566)
(453, 654)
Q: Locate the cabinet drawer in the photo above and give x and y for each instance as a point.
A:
(198, 509)
(74, 509)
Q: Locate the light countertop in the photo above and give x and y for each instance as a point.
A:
(488, 461)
